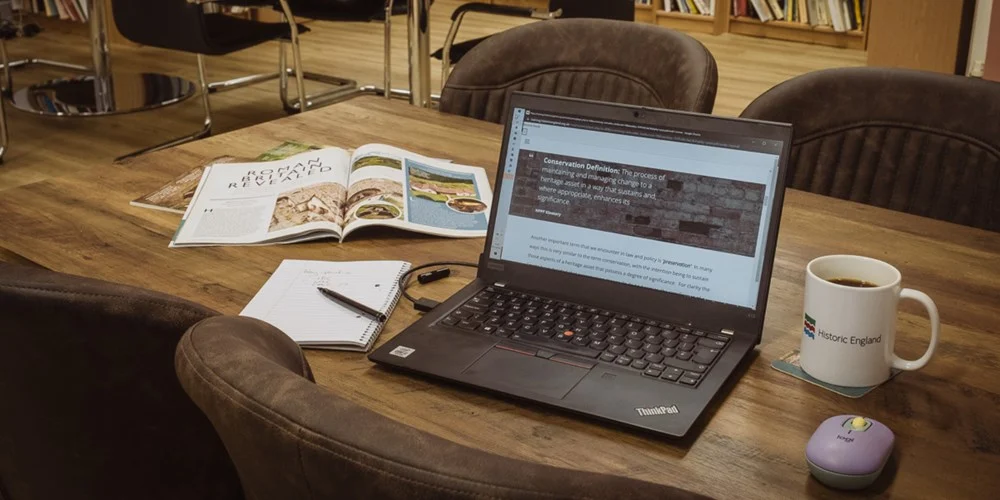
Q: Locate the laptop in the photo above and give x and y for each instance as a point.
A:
(626, 267)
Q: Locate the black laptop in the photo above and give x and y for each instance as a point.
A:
(626, 266)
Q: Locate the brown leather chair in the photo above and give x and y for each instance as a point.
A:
(291, 439)
(911, 141)
(90, 406)
(600, 59)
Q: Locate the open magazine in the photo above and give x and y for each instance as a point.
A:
(332, 192)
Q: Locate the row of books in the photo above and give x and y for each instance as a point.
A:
(72, 10)
(702, 7)
(841, 15)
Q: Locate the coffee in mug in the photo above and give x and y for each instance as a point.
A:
(849, 329)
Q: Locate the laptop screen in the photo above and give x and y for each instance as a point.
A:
(677, 210)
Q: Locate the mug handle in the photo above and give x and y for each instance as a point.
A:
(932, 313)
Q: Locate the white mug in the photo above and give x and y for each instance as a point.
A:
(849, 332)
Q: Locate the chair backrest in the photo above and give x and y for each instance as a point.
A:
(622, 10)
(167, 24)
(616, 61)
(290, 438)
(91, 406)
(911, 141)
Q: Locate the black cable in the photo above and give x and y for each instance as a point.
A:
(423, 304)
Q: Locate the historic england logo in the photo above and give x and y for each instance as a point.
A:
(810, 327)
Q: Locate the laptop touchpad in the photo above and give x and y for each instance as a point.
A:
(522, 372)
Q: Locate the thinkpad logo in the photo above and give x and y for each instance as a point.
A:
(657, 410)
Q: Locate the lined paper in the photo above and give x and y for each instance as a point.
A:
(290, 301)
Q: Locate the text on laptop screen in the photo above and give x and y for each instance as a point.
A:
(682, 211)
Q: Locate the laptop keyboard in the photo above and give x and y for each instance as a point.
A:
(655, 349)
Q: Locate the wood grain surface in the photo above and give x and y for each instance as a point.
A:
(946, 417)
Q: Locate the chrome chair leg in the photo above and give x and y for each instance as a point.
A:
(387, 51)
(206, 128)
(296, 54)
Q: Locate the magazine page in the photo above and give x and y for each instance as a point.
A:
(393, 187)
(283, 201)
(175, 195)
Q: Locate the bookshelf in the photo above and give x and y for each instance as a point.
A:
(723, 20)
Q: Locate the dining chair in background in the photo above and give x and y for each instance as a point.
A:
(912, 141)
(291, 438)
(583, 58)
(452, 52)
(91, 405)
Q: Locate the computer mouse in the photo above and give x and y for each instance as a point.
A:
(848, 452)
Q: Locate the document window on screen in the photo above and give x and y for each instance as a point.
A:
(680, 211)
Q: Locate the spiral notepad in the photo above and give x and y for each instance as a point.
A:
(290, 301)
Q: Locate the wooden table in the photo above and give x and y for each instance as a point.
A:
(946, 417)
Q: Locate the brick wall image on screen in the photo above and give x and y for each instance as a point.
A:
(694, 210)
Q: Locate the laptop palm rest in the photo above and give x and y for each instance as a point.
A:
(501, 367)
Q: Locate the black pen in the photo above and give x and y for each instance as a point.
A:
(353, 304)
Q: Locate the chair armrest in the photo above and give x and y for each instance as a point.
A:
(500, 10)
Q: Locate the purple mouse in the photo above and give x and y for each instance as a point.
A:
(848, 452)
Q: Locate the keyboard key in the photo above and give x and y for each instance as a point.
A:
(651, 348)
(694, 375)
(670, 376)
(580, 340)
(715, 344)
(637, 335)
(609, 357)
(598, 335)
(671, 343)
(653, 358)
(669, 335)
(650, 322)
(685, 346)
(600, 327)
(634, 326)
(683, 329)
(658, 366)
(718, 336)
(621, 316)
(666, 326)
(668, 352)
(616, 339)
(684, 355)
(686, 365)
(623, 361)
(600, 345)
(639, 364)
(705, 356)
(651, 373)
(495, 321)
(618, 349)
(468, 325)
(462, 314)
(653, 339)
(688, 381)
(451, 320)
(617, 322)
(689, 337)
(528, 329)
(698, 333)
(564, 336)
(651, 330)
(488, 329)
(503, 332)
(618, 330)
(634, 344)
(635, 353)
(546, 332)
(674, 371)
